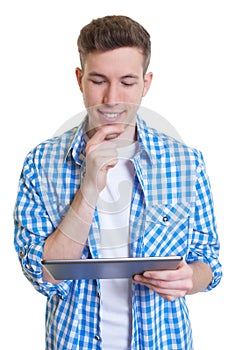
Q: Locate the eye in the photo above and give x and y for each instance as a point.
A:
(98, 82)
(128, 81)
(127, 84)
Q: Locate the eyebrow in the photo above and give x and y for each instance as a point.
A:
(127, 76)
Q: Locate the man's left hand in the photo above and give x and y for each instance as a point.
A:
(169, 284)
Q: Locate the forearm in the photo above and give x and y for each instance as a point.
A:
(61, 244)
(68, 240)
(201, 278)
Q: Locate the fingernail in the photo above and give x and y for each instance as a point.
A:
(137, 278)
(147, 274)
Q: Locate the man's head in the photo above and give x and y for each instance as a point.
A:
(114, 53)
(112, 32)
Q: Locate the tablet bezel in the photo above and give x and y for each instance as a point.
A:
(70, 269)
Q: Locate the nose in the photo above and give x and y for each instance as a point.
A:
(111, 95)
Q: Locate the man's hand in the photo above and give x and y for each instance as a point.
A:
(172, 284)
(169, 284)
(101, 155)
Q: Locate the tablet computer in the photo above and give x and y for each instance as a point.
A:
(108, 268)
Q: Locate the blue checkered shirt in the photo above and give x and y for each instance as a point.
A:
(171, 213)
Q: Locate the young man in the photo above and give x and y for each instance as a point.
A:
(69, 206)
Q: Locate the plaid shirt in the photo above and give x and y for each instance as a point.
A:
(171, 213)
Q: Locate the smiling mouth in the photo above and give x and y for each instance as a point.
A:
(111, 115)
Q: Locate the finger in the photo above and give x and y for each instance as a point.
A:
(168, 297)
(102, 154)
(106, 132)
(173, 288)
(163, 275)
(167, 275)
(165, 283)
(166, 293)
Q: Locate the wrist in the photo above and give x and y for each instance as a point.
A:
(89, 194)
(74, 227)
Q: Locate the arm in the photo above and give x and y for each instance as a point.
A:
(201, 276)
(187, 279)
(201, 269)
(61, 246)
(68, 240)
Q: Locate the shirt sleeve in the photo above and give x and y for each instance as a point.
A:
(32, 227)
(205, 243)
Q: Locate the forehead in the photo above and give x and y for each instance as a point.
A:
(124, 60)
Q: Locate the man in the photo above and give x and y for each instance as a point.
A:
(65, 208)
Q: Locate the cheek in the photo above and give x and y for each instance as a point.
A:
(91, 97)
(132, 95)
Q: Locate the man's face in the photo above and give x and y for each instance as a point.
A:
(112, 84)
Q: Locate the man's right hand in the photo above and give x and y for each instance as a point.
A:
(101, 155)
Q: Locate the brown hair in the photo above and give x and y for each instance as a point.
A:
(112, 32)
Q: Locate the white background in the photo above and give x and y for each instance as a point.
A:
(193, 88)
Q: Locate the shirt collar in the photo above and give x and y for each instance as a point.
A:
(77, 146)
(148, 138)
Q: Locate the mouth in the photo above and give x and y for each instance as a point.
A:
(111, 116)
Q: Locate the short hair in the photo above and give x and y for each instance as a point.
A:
(112, 32)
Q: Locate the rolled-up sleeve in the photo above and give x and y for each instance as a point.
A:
(30, 259)
(32, 227)
(205, 245)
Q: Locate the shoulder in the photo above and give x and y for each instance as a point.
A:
(49, 154)
(54, 147)
(161, 145)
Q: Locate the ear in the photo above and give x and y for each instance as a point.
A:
(78, 73)
(147, 82)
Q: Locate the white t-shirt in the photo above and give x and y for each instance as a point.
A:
(114, 212)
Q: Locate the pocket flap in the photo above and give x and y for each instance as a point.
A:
(168, 213)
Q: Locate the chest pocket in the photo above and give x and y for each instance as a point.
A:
(166, 230)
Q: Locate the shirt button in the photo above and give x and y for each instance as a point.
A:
(165, 218)
(97, 337)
